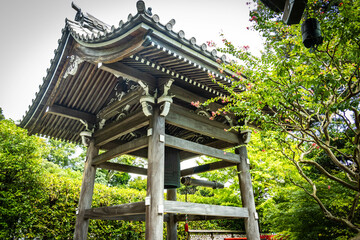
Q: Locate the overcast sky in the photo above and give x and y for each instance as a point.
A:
(30, 30)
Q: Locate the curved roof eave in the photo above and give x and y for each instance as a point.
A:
(38, 103)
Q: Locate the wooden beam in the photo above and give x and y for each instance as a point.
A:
(197, 148)
(71, 113)
(207, 167)
(155, 179)
(201, 125)
(122, 149)
(120, 69)
(247, 192)
(204, 209)
(129, 218)
(183, 218)
(189, 97)
(120, 128)
(186, 112)
(86, 193)
(171, 233)
(123, 168)
(113, 109)
(114, 211)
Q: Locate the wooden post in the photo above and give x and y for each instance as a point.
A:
(172, 224)
(247, 194)
(154, 200)
(87, 189)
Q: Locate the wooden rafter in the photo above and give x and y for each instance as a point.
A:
(71, 113)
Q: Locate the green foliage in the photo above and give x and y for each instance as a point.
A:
(138, 183)
(308, 100)
(62, 153)
(2, 117)
(20, 179)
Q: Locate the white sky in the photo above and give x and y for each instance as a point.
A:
(30, 31)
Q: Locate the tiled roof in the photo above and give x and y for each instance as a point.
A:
(75, 80)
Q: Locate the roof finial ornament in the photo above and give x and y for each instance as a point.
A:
(79, 14)
(148, 11)
(140, 5)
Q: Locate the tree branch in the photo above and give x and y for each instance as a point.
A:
(326, 173)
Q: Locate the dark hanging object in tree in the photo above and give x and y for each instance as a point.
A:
(275, 5)
(172, 168)
(293, 11)
(311, 33)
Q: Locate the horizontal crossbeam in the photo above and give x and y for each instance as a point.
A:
(199, 124)
(135, 210)
(204, 209)
(120, 128)
(121, 149)
(200, 149)
(123, 168)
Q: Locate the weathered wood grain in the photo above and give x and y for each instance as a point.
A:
(204, 209)
(70, 113)
(112, 109)
(203, 127)
(123, 168)
(114, 211)
(200, 149)
(247, 194)
(120, 128)
(171, 224)
(122, 149)
(87, 189)
(155, 179)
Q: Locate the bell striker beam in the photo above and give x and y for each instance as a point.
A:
(247, 193)
(155, 179)
(86, 193)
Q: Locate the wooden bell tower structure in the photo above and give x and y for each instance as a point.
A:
(132, 89)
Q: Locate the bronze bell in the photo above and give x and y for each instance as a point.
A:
(172, 168)
(311, 33)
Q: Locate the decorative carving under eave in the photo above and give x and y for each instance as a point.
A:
(73, 65)
(165, 100)
(203, 112)
(85, 137)
(147, 100)
(245, 136)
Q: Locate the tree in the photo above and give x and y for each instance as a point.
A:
(310, 99)
(20, 179)
(2, 117)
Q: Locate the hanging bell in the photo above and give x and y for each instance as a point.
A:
(311, 33)
(172, 168)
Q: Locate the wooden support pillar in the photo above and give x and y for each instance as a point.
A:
(154, 200)
(87, 189)
(247, 194)
(172, 224)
